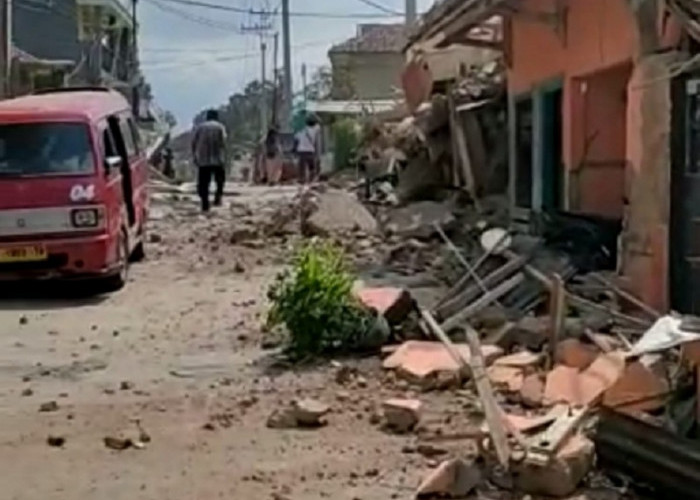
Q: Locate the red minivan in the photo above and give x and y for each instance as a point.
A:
(73, 186)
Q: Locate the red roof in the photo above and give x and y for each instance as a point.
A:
(79, 104)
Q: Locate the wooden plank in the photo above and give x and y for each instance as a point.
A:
(557, 313)
(492, 412)
(477, 367)
(459, 136)
(470, 294)
(627, 296)
(483, 302)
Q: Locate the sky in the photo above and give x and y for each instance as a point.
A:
(195, 57)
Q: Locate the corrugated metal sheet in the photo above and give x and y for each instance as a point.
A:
(649, 455)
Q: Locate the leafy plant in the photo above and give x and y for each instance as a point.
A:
(314, 300)
(346, 141)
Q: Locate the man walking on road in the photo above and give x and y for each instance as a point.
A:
(209, 154)
(308, 148)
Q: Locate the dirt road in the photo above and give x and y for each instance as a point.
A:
(179, 348)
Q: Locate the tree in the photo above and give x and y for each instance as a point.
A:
(170, 119)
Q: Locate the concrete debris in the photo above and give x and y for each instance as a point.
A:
(338, 212)
(451, 479)
(395, 304)
(307, 413)
(418, 220)
(118, 443)
(560, 476)
(421, 361)
(401, 415)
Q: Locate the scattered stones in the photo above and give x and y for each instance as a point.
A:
(451, 479)
(418, 220)
(126, 385)
(242, 234)
(401, 415)
(309, 412)
(27, 392)
(49, 406)
(301, 413)
(56, 441)
(155, 238)
(23, 320)
(118, 443)
(238, 268)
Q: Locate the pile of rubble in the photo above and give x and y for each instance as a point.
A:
(455, 140)
(567, 366)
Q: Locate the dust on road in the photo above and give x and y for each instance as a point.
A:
(179, 350)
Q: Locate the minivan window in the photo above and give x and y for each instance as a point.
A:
(128, 138)
(28, 149)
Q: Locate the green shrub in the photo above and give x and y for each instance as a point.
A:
(314, 300)
(345, 142)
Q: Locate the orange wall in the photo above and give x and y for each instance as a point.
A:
(600, 33)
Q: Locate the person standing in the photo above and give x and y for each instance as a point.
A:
(308, 148)
(209, 154)
(273, 157)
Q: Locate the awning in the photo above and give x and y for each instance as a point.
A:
(351, 107)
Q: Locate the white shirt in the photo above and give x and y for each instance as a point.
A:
(308, 139)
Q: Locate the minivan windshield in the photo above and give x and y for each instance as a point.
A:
(31, 149)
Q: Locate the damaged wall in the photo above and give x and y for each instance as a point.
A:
(645, 238)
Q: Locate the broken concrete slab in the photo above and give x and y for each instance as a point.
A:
(639, 389)
(451, 479)
(338, 212)
(282, 419)
(401, 415)
(395, 304)
(418, 220)
(562, 475)
(418, 360)
(575, 354)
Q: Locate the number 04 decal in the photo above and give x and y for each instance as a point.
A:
(82, 193)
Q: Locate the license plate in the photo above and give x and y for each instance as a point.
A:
(32, 253)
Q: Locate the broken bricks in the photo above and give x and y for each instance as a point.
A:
(421, 362)
(401, 415)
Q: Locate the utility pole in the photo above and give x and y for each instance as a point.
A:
(260, 29)
(275, 80)
(263, 93)
(6, 49)
(286, 117)
(303, 83)
(135, 104)
(411, 12)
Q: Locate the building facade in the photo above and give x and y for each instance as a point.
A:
(599, 120)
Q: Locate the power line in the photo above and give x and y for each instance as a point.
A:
(381, 7)
(239, 10)
(211, 23)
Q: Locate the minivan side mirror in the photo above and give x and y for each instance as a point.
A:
(112, 163)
